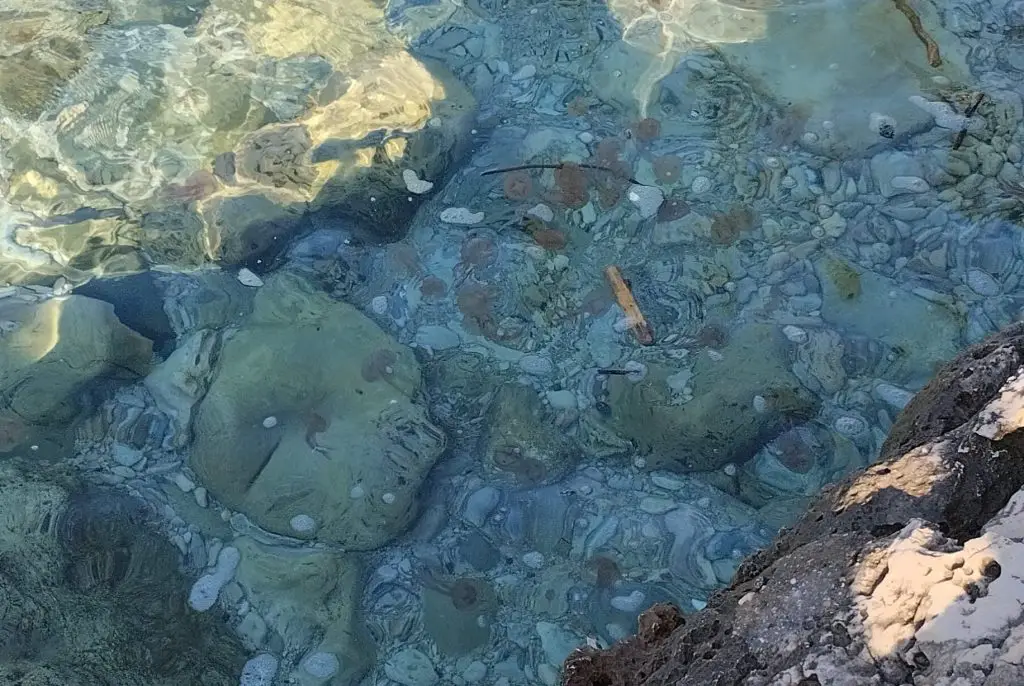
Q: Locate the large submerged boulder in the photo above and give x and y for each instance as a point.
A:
(903, 573)
(311, 425)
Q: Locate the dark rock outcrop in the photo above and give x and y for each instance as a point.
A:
(806, 610)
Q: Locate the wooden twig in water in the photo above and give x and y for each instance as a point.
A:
(637, 322)
(962, 134)
(581, 165)
(930, 46)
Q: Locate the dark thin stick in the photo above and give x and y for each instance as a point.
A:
(560, 165)
(614, 372)
(962, 134)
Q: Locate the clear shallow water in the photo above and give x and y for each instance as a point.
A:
(275, 295)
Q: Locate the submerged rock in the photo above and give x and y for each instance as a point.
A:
(521, 441)
(312, 598)
(350, 446)
(721, 424)
(896, 574)
(52, 348)
(85, 586)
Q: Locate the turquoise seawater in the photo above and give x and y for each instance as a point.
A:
(415, 342)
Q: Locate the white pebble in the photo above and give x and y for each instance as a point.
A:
(388, 498)
(201, 497)
(533, 560)
(302, 523)
(321, 665)
(207, 588)
(760, 404)
(414, 184)
(701, 184)
(461, 215)
(247, 278)
(270, 422)
(794, 333)
(646, 198)
(542, 212)
(379, 304)
(357, 492)
(633, 602)
(729, 469)
(849, 426)
(259, 671)
(527, 71)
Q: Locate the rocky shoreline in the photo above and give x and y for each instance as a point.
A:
(907, 572)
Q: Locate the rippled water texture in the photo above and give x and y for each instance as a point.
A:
(419, 342)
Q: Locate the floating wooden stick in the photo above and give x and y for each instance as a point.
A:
(930, 46)
(637, 322)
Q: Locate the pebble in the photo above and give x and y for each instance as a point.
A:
(410, 667)
(542, 212)
(629, 603)
(527, 71)
(533, 560)
(207, 588)
(247, 278)
(850, 426)
(474, 672)
(270, 422)
(302, 523)
(700, 184)
(667, 481)
(461, 215)
(991, 164)
(322, 665)
(656, 506)
(202, 500)
(893, 396)
(184, 483)
(125, 456)
(535, 365)
(259, 671)
(414, 184)
(981, 283)
(436, 337)
(909, 184)
(379, 304)
(561, 400)
(1014, 153)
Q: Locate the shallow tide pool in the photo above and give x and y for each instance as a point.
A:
(415, 342)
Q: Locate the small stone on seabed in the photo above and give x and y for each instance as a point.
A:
(259, 671)
(414, 183)
(270, 422)
(533, 560)
(646, 198)
(321, 665)
(302, 523)
(388, 498)
(247, 278)
(379, 304)
(461, 215)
